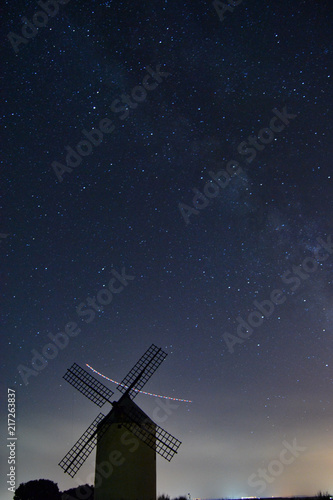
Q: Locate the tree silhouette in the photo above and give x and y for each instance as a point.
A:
(83, 492)
(38, 489)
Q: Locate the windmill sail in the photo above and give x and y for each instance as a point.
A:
(94, 390)
(142, 371)
(151, 434)
(78, 454)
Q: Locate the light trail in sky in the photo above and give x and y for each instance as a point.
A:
(137, 390)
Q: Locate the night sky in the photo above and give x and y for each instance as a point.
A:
(232, 277)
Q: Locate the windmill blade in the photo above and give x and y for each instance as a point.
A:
(167, 445)
(81, 449)
(94, 390)
(151, 434)
(142, 371)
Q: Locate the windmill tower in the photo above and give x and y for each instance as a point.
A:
(127, 439)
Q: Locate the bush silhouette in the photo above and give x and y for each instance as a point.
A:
(324, 496)
(166, 497)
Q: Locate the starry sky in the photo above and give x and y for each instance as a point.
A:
(208, 189)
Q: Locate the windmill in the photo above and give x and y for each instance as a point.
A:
(127, 439)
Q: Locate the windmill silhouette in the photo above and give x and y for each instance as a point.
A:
(127, 439)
